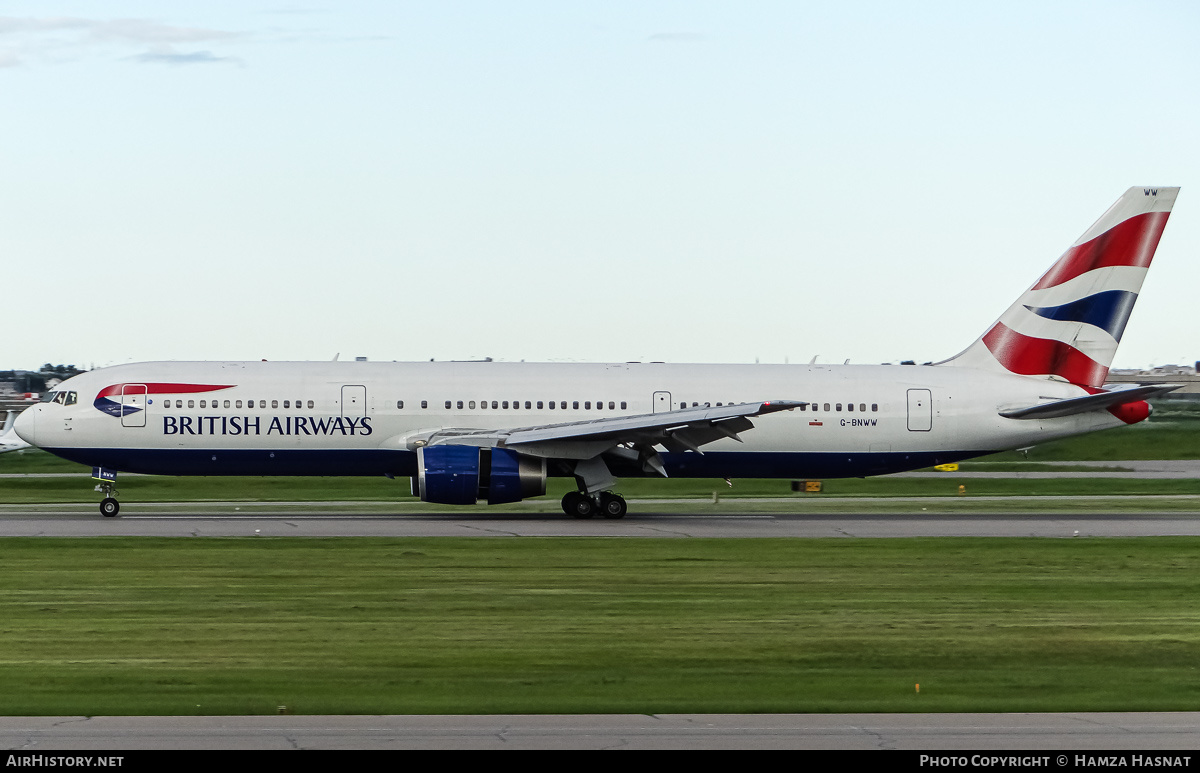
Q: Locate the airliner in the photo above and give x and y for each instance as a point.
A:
(466, 432)
(9, 441)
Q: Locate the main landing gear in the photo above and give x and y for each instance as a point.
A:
(605, 503)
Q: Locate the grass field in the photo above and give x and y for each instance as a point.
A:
(364, 625)
(237, 626)
(648, 495)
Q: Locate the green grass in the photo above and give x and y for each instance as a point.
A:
(145, 489)
(235, 626)
(35, 460)
(1148, 440)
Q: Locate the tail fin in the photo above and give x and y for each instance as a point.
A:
(1067, 326)
(10, 418)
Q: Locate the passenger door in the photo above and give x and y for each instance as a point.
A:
(133, 405)
(920, 410)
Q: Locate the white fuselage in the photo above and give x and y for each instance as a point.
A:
(357, 418)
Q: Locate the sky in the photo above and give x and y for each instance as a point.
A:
(570, 181)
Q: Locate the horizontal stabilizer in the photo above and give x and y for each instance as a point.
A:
(1097, 402)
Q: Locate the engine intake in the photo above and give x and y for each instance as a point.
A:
(462, 475)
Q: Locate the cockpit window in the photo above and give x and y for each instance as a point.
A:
(62, 398)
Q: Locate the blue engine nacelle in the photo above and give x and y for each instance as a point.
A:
(462, 475)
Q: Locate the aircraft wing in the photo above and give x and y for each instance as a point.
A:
(679, 430)
(1096, 402)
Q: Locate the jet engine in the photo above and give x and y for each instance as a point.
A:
(463, 475)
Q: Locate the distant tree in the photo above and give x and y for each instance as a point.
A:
(62, 372)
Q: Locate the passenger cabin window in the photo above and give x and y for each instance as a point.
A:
(400, 404)
(424, 403)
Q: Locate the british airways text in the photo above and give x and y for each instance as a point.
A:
(254, 425)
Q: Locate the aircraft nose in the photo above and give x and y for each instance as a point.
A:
(26, 424)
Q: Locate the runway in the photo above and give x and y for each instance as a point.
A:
(912, 732)
(317, 521)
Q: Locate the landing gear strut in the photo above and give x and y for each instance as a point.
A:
(109, 506)
(582, 505)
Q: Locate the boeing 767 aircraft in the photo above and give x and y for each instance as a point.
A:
(490, 431)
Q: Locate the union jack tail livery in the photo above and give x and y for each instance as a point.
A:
(1067, 326)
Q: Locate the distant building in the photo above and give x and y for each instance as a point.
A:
(1162, 374)
(21, 381)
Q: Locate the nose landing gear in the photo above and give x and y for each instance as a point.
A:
(109, 506)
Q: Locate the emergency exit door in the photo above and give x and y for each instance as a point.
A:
(354, 401)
